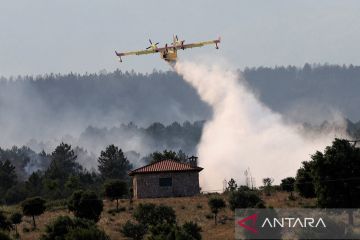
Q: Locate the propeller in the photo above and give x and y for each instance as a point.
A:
(152, 45)
(182, 44)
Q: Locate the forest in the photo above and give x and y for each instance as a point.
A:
(69, 140)
(144, 113)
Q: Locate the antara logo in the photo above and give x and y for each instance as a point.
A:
(294, 222)
(280, 222)
(253, 223)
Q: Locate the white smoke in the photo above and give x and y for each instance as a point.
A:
(243, 133)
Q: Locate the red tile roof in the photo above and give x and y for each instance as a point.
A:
(165, 166)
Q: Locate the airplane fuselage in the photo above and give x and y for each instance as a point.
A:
(170, 55)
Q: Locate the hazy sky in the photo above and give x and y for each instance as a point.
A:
(43, 36)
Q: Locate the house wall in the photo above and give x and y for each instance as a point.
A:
(183, 184)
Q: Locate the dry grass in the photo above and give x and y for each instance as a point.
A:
(186, 208)
(281, 200)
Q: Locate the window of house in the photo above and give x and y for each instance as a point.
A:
(165, 182)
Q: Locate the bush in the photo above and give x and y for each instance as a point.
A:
(16, 194)
(4, 236)
(86, 204)
(92, 233)
(15, 219)
(134, 231)
(162, 231)
(33, 207)
(5, 224)
(66, 228)
(165, 214)
(192, 229)
(145, 213)
(150, 214)
(244, 188)
(244, 199)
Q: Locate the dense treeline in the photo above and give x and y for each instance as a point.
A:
(145, 95)
(66, 103)
(283, 88)
(136, 142)
(156, 137)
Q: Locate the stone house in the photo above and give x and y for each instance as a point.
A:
(167, 178)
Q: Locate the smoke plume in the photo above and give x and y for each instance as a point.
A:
(243, 133)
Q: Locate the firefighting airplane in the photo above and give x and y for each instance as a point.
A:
(169, 53)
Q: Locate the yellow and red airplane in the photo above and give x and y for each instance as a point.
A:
(168, 53)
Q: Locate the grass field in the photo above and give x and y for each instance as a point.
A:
(187, 209)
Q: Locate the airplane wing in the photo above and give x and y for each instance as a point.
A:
(141, 52)
(198, 44)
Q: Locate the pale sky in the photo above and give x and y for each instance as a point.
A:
(59, 36)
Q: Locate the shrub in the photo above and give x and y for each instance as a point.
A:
(5, 224)
(92, 233)
(244, 199)
(33, 207)
(86, 204)
(162, 231)
(150, 214)
(145, 213)
(4, 236)
(134, 231)
(165, 214)
(15, 194)
(215, 204)
(244, 188)
(15, 219)
(192, 229)
(66, 228)
(58, 229)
